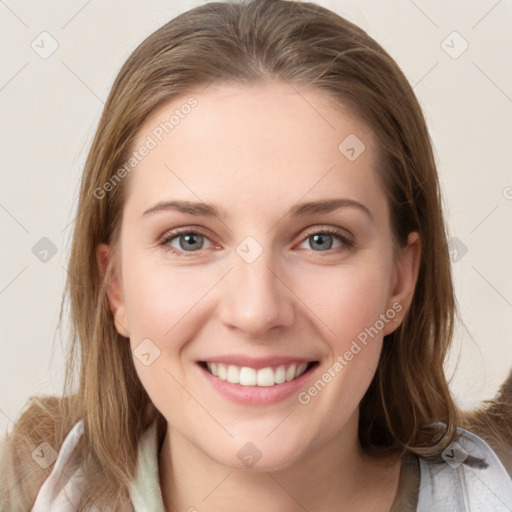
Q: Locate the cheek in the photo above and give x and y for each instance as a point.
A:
(348, 300)
(350, 303)
(159, 297)
(161, 300)
(160, 312)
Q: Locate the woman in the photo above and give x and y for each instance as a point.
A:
(242, 343)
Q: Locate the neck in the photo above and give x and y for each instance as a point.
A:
(334, 476)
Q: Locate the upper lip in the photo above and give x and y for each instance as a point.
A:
(257, 362)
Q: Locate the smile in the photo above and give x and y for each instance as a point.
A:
(252, 381)
(263, 377)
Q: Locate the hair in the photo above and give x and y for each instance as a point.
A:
(493, 422)
(408, 407)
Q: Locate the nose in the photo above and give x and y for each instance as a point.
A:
(256, 298)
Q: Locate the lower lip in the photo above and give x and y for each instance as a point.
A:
(257, 395)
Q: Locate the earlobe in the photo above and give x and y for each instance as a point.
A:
(107, 267)
(406, 275)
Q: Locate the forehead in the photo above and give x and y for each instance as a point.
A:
(270, 141)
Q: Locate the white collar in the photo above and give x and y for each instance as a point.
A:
(144, 489)
(63, 488)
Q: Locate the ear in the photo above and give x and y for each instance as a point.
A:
(104, 257)
(406, 271)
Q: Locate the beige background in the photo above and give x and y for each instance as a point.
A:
(50, 107)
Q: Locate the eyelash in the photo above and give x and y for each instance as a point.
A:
(347, 244)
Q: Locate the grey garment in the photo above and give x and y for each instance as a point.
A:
(467, 477)
(409, 485)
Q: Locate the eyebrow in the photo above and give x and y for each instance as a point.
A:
(299, 209)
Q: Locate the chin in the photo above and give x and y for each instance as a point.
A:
(258, 455)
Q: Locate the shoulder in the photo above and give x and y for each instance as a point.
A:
(63, 493)
(468, 475)
(58, 493)
(28, 451)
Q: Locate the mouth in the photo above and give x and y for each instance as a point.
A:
(269, 376)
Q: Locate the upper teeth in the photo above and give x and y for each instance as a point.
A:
(246, 376)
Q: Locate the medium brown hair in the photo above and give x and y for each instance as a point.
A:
(258, 41)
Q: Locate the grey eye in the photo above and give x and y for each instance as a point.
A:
(189, 241)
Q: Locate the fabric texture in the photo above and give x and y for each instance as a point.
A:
(474, 480)
(469, 477)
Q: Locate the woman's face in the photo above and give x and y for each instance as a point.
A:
(278, 260)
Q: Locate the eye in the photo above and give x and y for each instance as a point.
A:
(187, 242)
(184, 241)
(321, 240)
